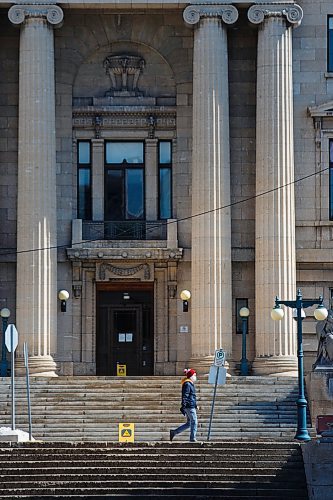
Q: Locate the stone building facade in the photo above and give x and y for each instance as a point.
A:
(151, 147)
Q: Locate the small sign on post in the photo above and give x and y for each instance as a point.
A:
(126, 433)
(219, 358)
(11, 341)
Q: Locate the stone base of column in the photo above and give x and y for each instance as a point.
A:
(39, 366)
(275, 365)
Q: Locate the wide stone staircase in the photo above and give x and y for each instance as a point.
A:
(90, 408)
(251, 453)
(228, 470)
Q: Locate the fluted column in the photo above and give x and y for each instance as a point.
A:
(211, 302)
(275, 259)
(36, 210)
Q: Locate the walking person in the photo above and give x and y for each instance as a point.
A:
(189, 406)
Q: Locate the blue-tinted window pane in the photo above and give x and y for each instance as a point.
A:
(330, 45)
(114, 195)
(165, 193)
(84, 194)
(165, 152)
(118, 152)
(134, 194)
(84, 152)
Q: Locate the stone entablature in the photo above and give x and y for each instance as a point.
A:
(153, 254)
(138, 117)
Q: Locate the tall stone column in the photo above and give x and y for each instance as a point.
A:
(275, 259)
(36, 309)
(211, 302)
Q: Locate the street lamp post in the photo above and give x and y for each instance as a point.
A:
(4, 313)
(320, 314)
(244, 365)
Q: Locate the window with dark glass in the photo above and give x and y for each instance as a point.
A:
(239, 304)
(330, 44)
(84, 205)
(165, 179)
(124, 181)
(331, 179)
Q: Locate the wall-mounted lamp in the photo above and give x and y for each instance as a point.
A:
(185, 295)
(63, 296)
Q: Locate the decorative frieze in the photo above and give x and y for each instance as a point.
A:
(124, 272)
(150, 119)
(293, 13)
(193, 13)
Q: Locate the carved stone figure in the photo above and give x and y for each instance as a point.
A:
(324, 331)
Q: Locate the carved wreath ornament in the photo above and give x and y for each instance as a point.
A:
(124, 271)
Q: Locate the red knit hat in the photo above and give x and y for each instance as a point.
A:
(189, 372)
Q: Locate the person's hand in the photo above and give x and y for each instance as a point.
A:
(182, 410)
(197, 408)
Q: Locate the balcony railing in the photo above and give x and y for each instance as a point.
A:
(124, 230)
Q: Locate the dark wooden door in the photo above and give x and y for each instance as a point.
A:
(124, 335)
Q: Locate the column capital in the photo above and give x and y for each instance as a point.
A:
(193, 13)
(53, 14)
(293, 13)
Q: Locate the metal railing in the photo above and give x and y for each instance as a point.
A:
(124, 230)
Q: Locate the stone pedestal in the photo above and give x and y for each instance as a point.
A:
(36, 210)
(211, 302)
(275, 259)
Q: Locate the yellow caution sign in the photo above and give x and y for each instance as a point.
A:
(121, 370)
(126, 433)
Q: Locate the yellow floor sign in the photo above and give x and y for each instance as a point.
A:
(126, 433)
(121, 370)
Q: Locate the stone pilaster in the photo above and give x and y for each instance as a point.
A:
(211, 302)
(275, 211)
(36, 211)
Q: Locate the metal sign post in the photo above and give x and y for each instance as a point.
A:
(220, 379)
(11, 341)
(26, 355)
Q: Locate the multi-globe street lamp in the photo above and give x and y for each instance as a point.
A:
(4, 313)
(244, 365)
(320, 314)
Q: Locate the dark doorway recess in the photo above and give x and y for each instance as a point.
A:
(124, 329)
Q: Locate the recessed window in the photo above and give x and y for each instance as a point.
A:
(330, 44)
(124, 181)
(165, 179)
(84, 202)
(239, 304)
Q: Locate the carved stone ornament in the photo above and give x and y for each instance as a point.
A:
(324, 330)
(293, 13)
(124, 271)
(193, 13)
(124, 72)
(17, 14)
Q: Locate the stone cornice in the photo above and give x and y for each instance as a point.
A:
(293, 13)
(193, 13)
(127, 254)
(53, 14)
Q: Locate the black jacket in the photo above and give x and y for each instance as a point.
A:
(189, 397)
